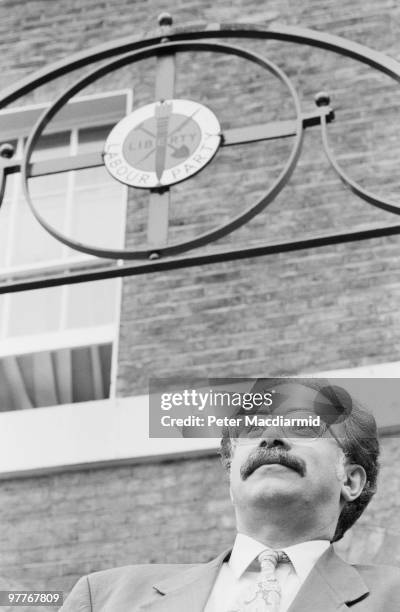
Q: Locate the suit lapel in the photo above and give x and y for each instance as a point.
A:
(331, 584)
(187, 591)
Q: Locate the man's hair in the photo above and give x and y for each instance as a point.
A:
(359, 442)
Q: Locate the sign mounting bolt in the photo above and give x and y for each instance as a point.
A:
(155, 255)
(165, 19)
(322, 98)
(7, 150)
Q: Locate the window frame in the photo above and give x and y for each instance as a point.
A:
(88, 111)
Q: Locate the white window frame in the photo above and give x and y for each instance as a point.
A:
(94, 110)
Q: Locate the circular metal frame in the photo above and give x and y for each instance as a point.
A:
(206, 237)
(364, 194)
(196, 31)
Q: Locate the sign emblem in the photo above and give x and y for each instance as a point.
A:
(162, 143)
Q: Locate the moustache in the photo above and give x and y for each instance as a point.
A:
(265, 456)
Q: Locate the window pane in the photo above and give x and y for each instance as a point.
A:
(34, 312)
(94, 176)
(98, 217)
(52, 145)
(2, 298)
(49, 147)
(59, 376)
(11, 187)
(92, 304)
(32, 243)
(43, 185)
(4, 230)
(88, 206)
(92, 140)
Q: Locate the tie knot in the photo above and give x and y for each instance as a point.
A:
(269, 559)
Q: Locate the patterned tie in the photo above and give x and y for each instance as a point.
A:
(266, 596)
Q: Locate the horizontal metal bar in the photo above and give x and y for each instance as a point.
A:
(310, 119)
(253, 133)
(235, 136)
(47, 269)
(76, 162)
(60, 164)
(277, 129)
(160, 265)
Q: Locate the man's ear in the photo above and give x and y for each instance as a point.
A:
(354, 483)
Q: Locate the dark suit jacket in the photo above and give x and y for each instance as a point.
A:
(332, 586)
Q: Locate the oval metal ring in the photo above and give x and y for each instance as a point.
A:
(206, 237)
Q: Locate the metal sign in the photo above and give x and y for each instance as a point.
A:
(170, 140)
(162, 144)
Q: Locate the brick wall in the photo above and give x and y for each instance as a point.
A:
(319, 309)
(303, 311)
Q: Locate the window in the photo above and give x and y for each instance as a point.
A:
(56, 343)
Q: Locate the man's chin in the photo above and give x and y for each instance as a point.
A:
(271, 483)
(277, 495)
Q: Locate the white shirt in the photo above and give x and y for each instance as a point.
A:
(235, 576)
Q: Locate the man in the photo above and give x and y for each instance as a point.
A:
(295, 490)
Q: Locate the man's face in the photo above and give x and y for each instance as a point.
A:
(278, 470)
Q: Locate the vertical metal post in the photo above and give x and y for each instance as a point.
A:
(157, 221)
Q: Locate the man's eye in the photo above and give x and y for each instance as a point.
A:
(305, 431)
(253, 432)
(257, 432)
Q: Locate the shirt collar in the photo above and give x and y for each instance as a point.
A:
(303, 556)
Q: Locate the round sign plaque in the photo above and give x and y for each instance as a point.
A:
(162, 143)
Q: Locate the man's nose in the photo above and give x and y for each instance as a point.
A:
(275, 441)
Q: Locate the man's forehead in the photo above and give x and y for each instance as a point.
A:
(295, 394)
(291, 395)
